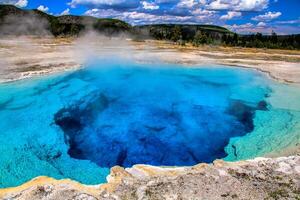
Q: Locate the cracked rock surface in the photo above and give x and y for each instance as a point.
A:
(261, 178)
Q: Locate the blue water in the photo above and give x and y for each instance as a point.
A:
(77, 125)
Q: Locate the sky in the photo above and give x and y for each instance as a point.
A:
(242, 16)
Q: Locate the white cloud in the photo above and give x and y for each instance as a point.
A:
(43, 8)
(295, 21)
(149, 6)
(135, 17)
(203, 2)
(261, 24)
(187, 3)
(203, 12)
(238, 5)
(219, 5)
(165, 1)
(106, 3)
(19, 3)
(92, 12)
(247, 25)
(267, 16)
(65, 12)
(255, 5)
(230, 15)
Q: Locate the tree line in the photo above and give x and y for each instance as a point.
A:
(203, 36)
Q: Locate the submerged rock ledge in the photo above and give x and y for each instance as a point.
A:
(261, 178)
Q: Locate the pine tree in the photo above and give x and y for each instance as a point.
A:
(200, 38)
(274, 38)
(176, 34)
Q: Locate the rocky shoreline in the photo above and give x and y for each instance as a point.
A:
(261, 178)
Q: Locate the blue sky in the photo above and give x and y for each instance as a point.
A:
(243, 16)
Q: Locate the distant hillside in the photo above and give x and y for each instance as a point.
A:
(184, 32)
(14, 20)
(21, 22)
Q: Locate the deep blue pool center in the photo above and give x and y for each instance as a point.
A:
(160, 116)
(80, 124)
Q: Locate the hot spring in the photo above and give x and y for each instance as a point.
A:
(78, 125)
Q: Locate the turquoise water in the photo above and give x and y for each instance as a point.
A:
(77, 125)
